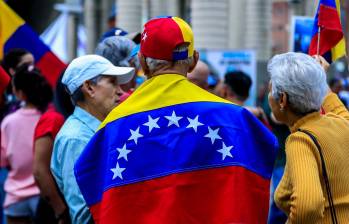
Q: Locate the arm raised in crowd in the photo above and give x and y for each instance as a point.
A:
(331, 102)
(334, 105)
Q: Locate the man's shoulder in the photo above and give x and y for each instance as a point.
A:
(71, 126)
(73, 130)
(68, 141)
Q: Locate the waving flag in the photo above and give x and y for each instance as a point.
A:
(327, 22)
(174, 153)
(15, 33)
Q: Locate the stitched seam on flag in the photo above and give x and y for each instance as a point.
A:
(182, 104)
(164, 107)
(124, 111)
(329, 7)
(183, 170)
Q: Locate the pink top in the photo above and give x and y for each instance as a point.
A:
(17, 131)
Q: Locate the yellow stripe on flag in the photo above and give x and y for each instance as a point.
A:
(338, 6)
(339, 50)
(9, 23)
(161, 91)
(187, 34)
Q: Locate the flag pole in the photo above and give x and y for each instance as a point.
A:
(318, 41)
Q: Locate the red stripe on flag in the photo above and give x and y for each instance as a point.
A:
(219, 195)
(331, 31)
(51, 67)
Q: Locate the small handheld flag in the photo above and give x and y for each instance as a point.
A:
(328, 38)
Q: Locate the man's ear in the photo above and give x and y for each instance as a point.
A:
(88, 88)
(143, 64)
(196, 57)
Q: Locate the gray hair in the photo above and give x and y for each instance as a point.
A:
(154, 64)
(78, 95)
(117, 49)
(301, 77)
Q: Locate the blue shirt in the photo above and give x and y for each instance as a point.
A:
(69, 143)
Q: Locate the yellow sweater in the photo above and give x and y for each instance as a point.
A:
(301, 192)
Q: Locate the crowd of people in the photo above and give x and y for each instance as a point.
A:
(99, 147)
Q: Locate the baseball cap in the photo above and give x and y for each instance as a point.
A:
(161, 36)
(87, 67)
(116, 49)
(115, 31)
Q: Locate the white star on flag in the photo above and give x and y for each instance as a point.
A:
(173, 119)
(225, 150)
(144, 36)
(117, 171)
(194, 123)
(213, 134)
(152, 123)
(123, 152)
(135, 135)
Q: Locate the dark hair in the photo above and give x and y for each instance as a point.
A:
(12, 58)
(34, 86)
(239, 82)
(62, 100)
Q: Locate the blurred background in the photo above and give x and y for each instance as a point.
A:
(230, 34)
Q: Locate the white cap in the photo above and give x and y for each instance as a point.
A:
(87, 67)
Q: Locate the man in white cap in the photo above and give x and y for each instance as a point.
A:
(94, 85)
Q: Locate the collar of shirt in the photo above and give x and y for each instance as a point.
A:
(86, 118)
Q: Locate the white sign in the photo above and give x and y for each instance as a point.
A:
(223, 61)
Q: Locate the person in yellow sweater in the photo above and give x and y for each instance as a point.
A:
(298, 92)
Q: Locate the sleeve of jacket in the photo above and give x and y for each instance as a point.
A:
(307, 201)
(333, 104)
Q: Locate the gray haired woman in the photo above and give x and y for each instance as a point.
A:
(298, 91)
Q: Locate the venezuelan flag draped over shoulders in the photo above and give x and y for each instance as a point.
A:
(15, 33)
(174, 153)
(331, 44)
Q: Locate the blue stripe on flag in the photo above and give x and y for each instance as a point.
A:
(26, 38)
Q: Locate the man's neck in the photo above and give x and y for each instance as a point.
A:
(91, 109)
(235, 101)
(176, 69)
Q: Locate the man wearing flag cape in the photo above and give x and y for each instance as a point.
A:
(173, 152)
